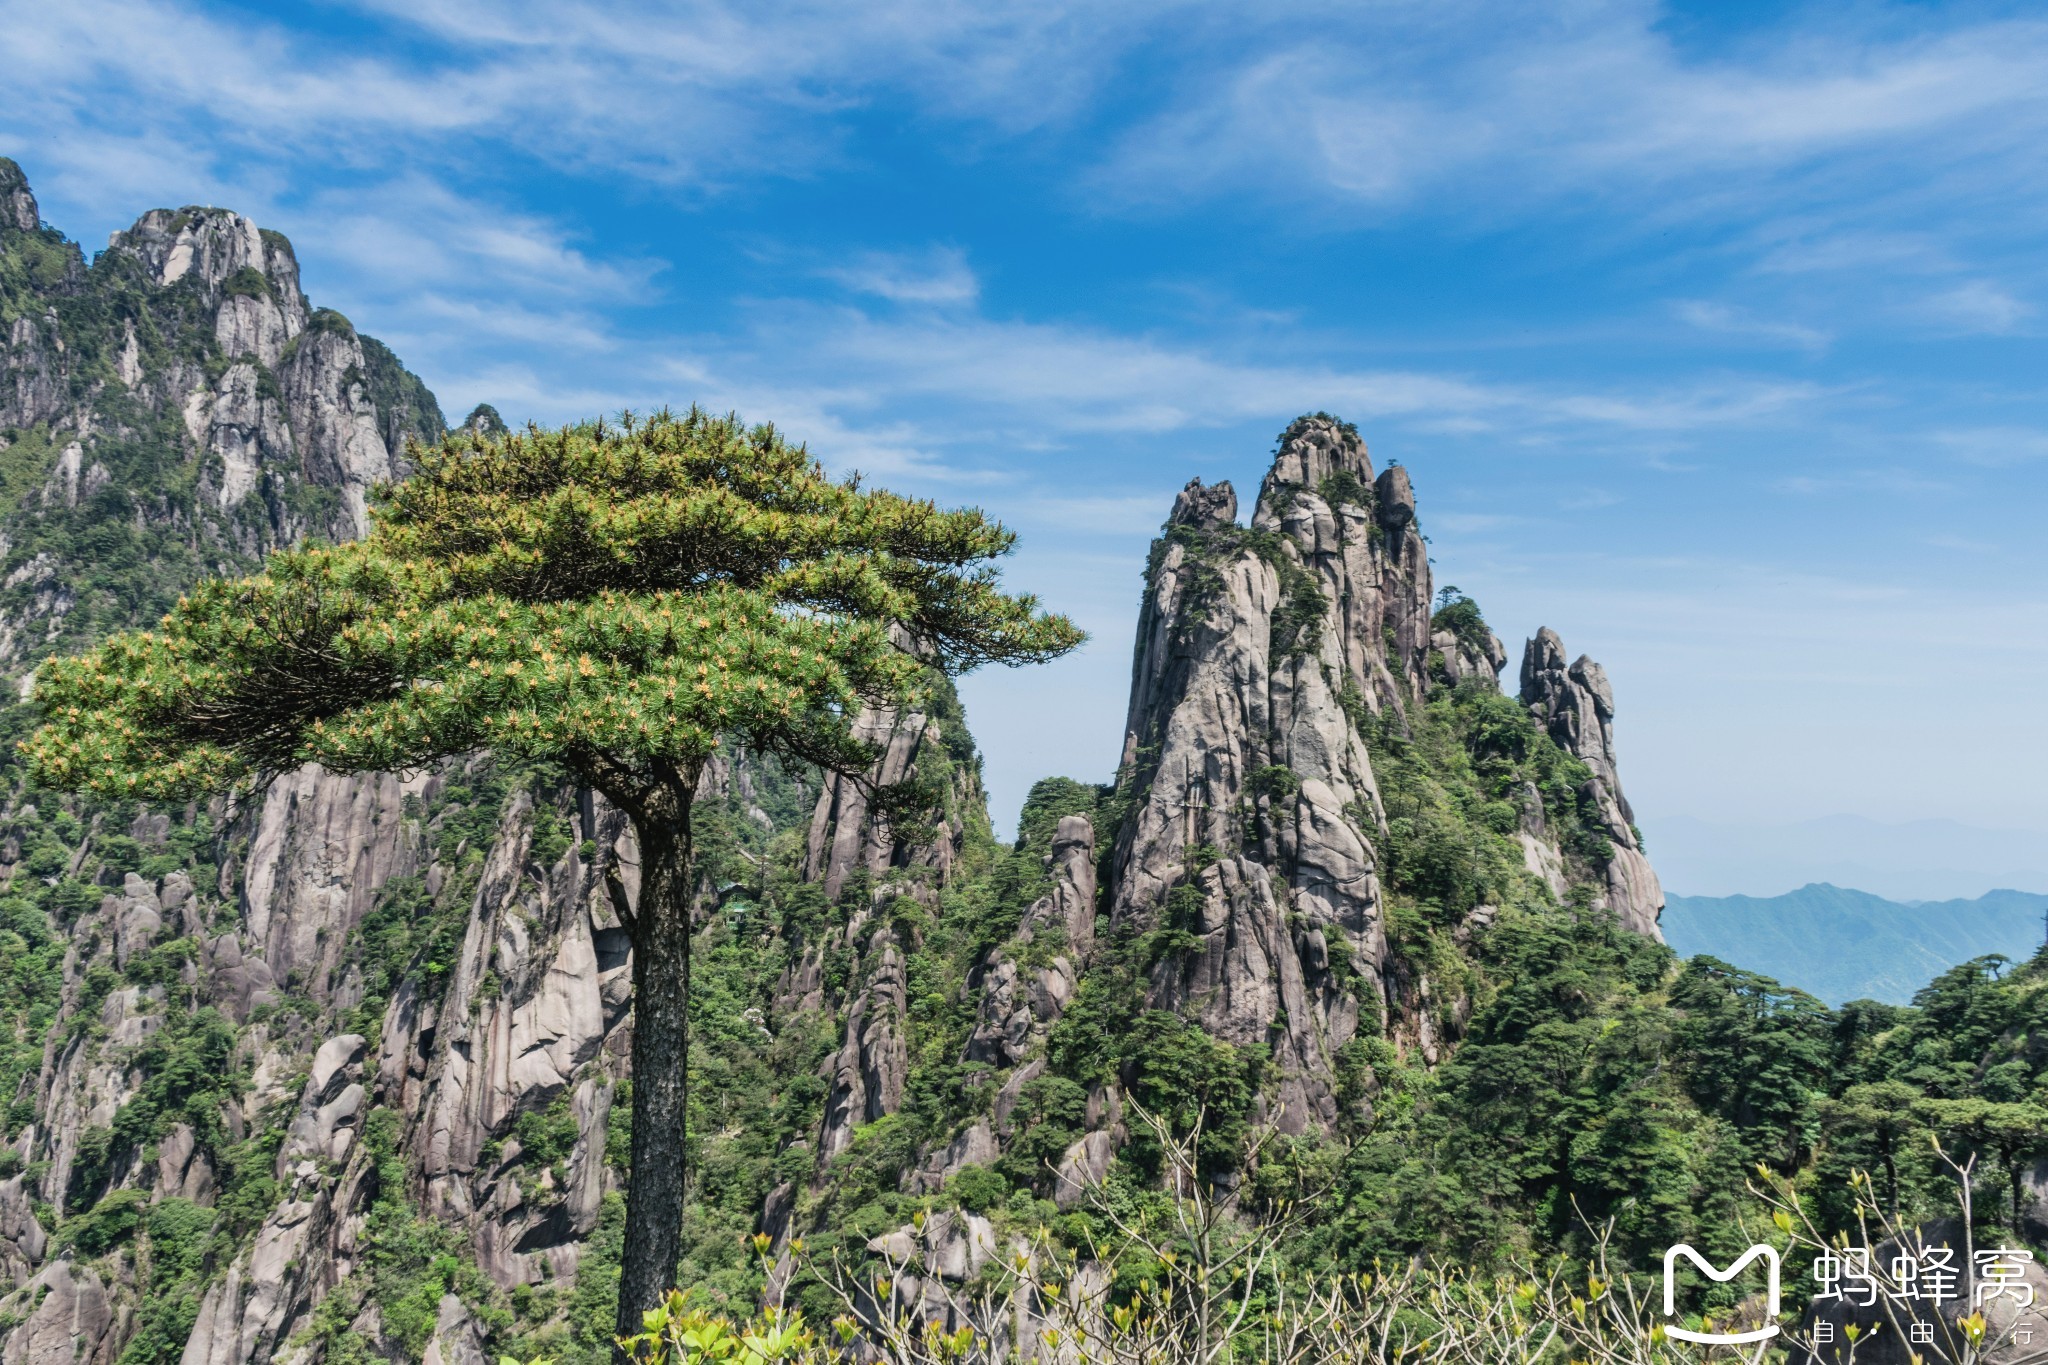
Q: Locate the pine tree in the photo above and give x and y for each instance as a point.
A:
(622, 599)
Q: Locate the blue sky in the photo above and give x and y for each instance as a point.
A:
(1712, 334)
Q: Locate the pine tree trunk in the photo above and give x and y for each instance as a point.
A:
(661, 1043)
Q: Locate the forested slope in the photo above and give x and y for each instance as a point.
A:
(337, 1073)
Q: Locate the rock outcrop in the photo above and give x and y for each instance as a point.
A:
(73, 1324)
(185, 365)
(866, 1075)
(1027, 984)
(1259, 658)
(846, 837)
(1576, 705)
(23, 1239)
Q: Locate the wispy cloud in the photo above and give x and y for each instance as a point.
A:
(1518, 103)
(1995, 447)
(1900, 482)
(411, 230)
(1795, 248)
(1721, 317)
(939, 275)
(1978, 306)
(574, 330)
(694, 94)
(1071, 380)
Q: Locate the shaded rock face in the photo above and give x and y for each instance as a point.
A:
(845, 838)
(1576, 705)
(866, 1076)
(1204, 508)
(523, 1019)
(847, 843)
(22, 1238)
(323, 847)
(1020, 1001)
(931, 1265)
(1455, 657)
(529, 1019)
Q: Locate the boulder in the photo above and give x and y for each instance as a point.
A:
(1083, 1167)
(70, 1326)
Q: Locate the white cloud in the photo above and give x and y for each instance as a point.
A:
(694, 93)
(1798, 248)
(1900, 482)
(566, 330)
(1014, 384)
(412, 231)
(939, 275)
(1720, 317)
(1978, 306)
(1519, 103)
(1995, 447)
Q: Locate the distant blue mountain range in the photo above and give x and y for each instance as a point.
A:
(1843, 945)
(1911, 860)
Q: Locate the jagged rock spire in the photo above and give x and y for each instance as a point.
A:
(17, 204)
(1575, 704)
(1359, 536)
(1259, 656)
(1263, 658)
(1204, 508)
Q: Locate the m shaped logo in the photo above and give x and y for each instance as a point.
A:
(1769, 1256)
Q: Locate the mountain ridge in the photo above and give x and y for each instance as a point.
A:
(1926, 859)
(1842, 944)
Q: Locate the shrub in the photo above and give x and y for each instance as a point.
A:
(110, 1223)
(978, 1189)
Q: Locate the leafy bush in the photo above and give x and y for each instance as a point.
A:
(110, 1223)
(248, 282)
(1460, 615)
(1279, 783)
(977, 1188)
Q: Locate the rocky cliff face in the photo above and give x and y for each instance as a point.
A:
(340, 1073)
(182, 376)
(1576, 705)
(1260, 655)
(1268, 663)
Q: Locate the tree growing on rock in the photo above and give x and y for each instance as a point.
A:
(622, 599)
